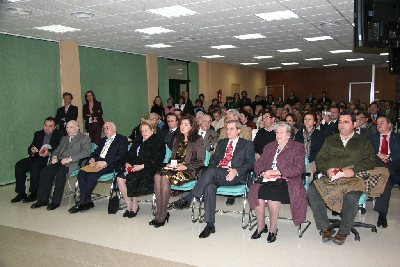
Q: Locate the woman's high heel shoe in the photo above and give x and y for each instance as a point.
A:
(257, 234)
(133, 214)
(159, 224)
(272, 237)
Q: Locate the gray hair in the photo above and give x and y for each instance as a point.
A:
(283, 124)
(238, 125)
(73, 123)
(234, 112)
(113, 126)
(200, 113)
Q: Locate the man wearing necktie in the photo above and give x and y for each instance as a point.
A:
(64, 160)
(232, 160)
(112, 149)
(387, 148)
(66, 113)
(209, 136)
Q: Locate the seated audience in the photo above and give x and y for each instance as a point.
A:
(229, 165)
(340, 159)
(266, 134)
(214, 105)
(66, 113)
(209, 136)
(112, 149)
(188, 104)
(386, 145)
(43, 143)
(64, 160)
(363, 126)
(142, 162)
(181, 103)
(188, 155)
(329, 124)
(292, 121)
(219, 121)
(280, 169)
(244, 119)
(158, 107)
(233, 115)
(170, 106)
(172, 122)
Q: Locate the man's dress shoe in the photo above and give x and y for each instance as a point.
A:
(76, 208)
(181, 204)
(326, 235)
(39, 203)
(18, 198)
(230, 201)
(30, 198)
(53, 206)
(207, 231)
(339, 238)
(382, 221)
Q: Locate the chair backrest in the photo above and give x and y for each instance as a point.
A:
(168, 154)
(93, 147)
(207, 159)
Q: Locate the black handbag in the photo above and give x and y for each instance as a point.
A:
(113, 205)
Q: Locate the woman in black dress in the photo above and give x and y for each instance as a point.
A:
(143, 161)
(93, 116)
(188, 154)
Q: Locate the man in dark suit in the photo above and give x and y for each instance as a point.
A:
(229, 165)
(112, 148)
(373, 110)
(389, 112)
(64, 160)
(209, 136)
(310, 99)
(172, 121)
(66, 113)
(329, 126)
(363, 126)
(324, 100)
(387, 148)
(43, 143)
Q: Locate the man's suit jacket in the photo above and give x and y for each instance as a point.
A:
(394, 146)
(242, 159)
(77, 149)
(210, 138)
(116, 152)
(169, 138)
(330, 129)
(310, 100)
(62, 117)
(38, 141)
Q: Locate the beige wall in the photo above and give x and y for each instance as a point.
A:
(230, 79)
(152, 77)
(70, 74)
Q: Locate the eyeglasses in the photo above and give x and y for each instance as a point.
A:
(106, 128)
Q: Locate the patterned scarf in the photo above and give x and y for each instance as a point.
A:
(307, 141)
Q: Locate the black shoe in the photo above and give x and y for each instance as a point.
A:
(133, 214)
(382, 221)
(257, 234)
(18, 198)
(152, 222)
(272, 237)
(88, 205)
(207, 231)
(30, 198)
(159, 224)
(39, 203)
(126, 213)
(76, 208)
(230, 201)
(181, 204)
(53, 206)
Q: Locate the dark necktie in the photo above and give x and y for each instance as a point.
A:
(384, 145)
(228, 155)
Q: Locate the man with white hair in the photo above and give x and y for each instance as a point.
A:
(72, 148)
(112, 148)
(209, 136)
(233, 115)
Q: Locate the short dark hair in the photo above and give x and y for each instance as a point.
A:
(217, 110)
(348, 113)
(270, 112)
(173, 115)
(68, 94)
(312, 114)
(384, 117)
(50, 119)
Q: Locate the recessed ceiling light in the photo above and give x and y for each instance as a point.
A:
(82, 15)
(213, 56)
(57, 29)
(160, 45)
(314, 59)
(289, 50)
(320, 38)
(290, 63)
(249, 36)
(354, 59)
(223, 46)
(274, 68)
(330, 65)
(340, 51)
(172, 11)
(154, 30)
(387, 61)
(263, 57)
(248, 63)
(277, 15)
(13, 1)
(18, 11)
(384, 54)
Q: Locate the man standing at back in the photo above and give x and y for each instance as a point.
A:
(44, 142)
(66, 113)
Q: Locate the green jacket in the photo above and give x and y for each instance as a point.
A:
(358, 152)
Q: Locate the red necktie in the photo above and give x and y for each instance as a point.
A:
(384, 145)
(228, 156)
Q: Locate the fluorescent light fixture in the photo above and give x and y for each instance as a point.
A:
(354, 59)
(172, 11)
(82, 15)
(340, 51)
(13, 1)
(277, 15)
(248, 63)
(213, 56)
(154, 30)
(274, 68)
(249, 36)
(330, 65)
(314, 59)
(18, 11)
(263, 57)
(384, 54)
(289, 50)
(320, 38)
(57, 29)
(160, 45)
(290, 63)
(223, 46)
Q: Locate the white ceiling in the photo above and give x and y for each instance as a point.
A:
(216, 22)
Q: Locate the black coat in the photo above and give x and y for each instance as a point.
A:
(317, 140)
(38, 141)
(62, 118)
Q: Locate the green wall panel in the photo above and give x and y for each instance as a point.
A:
(120, 83)
(163, 82)
(194, 80)
(29, 92)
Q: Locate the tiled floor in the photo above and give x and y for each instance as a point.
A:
(178, 241)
